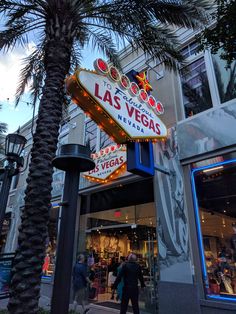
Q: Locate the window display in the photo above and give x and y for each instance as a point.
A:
(214, 189)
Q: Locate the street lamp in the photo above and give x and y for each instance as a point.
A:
(14, 145)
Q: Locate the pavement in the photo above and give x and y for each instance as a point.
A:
(44, 303)
(45, 300)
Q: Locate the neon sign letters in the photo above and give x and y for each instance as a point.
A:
(120, 107)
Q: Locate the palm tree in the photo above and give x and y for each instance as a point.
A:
(62, 28)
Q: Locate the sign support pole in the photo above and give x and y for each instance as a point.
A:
(73, 158)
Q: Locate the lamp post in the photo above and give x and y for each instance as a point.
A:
(14, 145)
(72, 158)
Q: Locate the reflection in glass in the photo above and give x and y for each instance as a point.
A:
(214, 188)
(196, 92)
(225, 77)
(91, 135)
(105, 140)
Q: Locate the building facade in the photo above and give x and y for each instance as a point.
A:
(181, 223)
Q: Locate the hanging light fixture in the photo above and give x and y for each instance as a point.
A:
(14, 145)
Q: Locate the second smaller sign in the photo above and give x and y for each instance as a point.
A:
(110, 163)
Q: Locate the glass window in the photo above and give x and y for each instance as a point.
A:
(64, 128)
(62, 141)
(214, 189)
(58, 183)
(225, 78)
(105, 140)
(91, 135)
(190, 50)
(15, 181)
(196, 92)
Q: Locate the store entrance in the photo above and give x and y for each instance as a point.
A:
(107, 237)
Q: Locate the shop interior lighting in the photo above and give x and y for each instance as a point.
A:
(198, 224)
(212, 169)
(55, 205)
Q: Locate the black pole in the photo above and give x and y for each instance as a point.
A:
(73, 158)
(64, 257)
(6, 184)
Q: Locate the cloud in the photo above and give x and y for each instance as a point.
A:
(10, 66)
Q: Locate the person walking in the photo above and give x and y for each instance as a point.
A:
(80, 280)
(131, 273)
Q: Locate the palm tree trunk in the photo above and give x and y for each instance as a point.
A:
(33, 232)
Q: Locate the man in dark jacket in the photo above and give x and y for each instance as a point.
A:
(131, 273)
(80, 280)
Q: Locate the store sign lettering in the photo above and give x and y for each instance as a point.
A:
(118, 106)
(110, 163)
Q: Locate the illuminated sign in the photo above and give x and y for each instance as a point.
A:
(109, 164)
(117, 105)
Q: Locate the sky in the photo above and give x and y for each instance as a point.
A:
(10, 65)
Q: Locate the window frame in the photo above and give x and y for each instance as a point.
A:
(211, 77)
(201, 250)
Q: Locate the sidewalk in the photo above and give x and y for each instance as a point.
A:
(45, 301)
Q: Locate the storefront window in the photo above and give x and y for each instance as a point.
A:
(107, 237)
(214, 189)
(196, 92)
(51, 244)
(225, 78)
(5, 229)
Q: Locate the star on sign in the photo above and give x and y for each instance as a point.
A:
(143, 82)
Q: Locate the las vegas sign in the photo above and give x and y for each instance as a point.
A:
(110, 162)
(119, 107)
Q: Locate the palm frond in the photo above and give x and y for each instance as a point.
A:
(17, 13)
(3, 127)
(32, 71)
(12, 36)
(160, 42)
(102, 41)
(76, 56)
(186, 13)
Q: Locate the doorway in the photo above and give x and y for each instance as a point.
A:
(107, 237)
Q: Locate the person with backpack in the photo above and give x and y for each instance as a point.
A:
(80, 281)
(131, 273)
